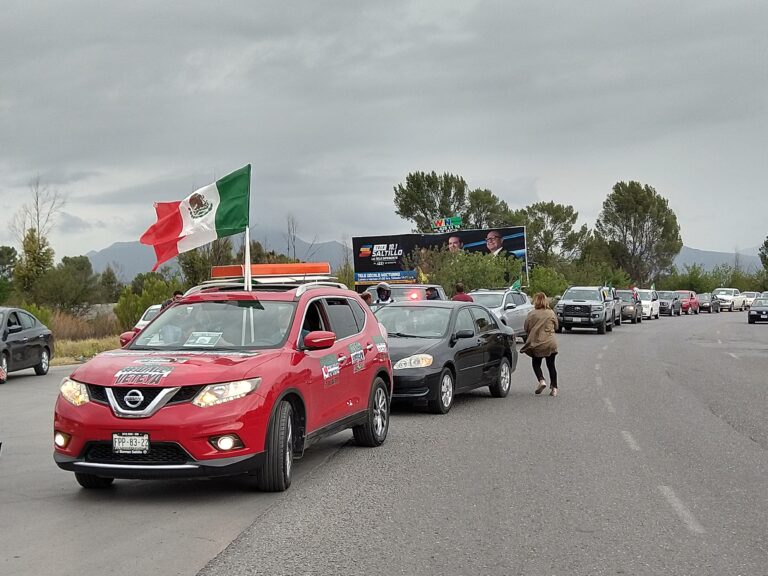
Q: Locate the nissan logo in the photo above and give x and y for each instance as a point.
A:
(134, 398)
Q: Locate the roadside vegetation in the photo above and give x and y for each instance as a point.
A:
(633, 243)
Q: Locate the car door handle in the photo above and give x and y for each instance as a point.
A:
(369, 347)
(341, 359)
(25, 339)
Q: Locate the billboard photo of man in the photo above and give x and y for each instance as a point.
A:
(494, 243)
(455, 244)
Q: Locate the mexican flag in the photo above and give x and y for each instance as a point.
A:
(214, 211)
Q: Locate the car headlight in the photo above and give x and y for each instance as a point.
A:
(214, 394)
(415, 361)
(597, 308)
(74, 392)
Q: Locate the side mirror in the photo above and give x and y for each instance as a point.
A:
(319, 340)
(510, 306)
(127, 337)
(15, 329)
(465, 334)
(558, 297)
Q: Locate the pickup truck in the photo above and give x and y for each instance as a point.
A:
(588, 307)
(730, 299)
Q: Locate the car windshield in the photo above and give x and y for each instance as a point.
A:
(218, 325)
(644, 294)
(414, 321)
(488, 299)
(760, 302)
(684, 293)
(581, 294)
(625, 296)
(705, 296)
(150, 314)
(750, 294)
(667, 295)
(723, 292)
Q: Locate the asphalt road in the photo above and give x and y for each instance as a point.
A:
(652, 460)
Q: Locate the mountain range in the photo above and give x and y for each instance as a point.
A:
(131, 258)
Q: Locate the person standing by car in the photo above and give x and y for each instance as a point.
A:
(460, 295)
(541, 344)
(367, 298)
(176, 296)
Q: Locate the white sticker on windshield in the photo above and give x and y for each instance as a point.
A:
(205, 339)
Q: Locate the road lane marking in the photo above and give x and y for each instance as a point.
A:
(732, 355)
(599, 380)
(600, 356)
(682, 512)
(597, 366)
(609, 405)
(630, 441)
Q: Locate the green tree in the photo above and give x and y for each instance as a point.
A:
(763, 253)
(261, 256)
(109, 286)
(551, 233)
(70, 287)
(641, 230)
(485, 210)
(35, 260)
(425, 197)
(547, 280)
(8, 257)
(130, 306)
(196, 264)
(137, 284)
(473, 269)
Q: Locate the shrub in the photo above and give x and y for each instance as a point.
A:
(45, 315)
(68, 327)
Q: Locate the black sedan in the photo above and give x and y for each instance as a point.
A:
(26, 343)
(709, 303)
(441, 348)
(758, 312)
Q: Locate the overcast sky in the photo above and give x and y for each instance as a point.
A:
(119, 104)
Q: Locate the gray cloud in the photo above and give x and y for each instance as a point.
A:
(122, 104)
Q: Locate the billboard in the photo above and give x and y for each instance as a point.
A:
(382, 258)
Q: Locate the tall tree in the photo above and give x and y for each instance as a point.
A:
(196, 264)
(39, 213)
(35, 260)
(641, 229)
(551, 233)
(763, 253)
(70, 287)
(8, 258)
(485, 210)
(425, 197)
(109, 286)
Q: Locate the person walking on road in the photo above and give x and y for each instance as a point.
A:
(541, 343)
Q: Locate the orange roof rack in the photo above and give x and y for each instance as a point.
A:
(262, 270)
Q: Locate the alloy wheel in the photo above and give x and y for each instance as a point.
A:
(44, 360)
(379, 412)
(505, 377)
(288, 448)
(446, 390)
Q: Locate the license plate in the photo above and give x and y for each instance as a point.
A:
(130, 443)
(575, 319)
(763, 315)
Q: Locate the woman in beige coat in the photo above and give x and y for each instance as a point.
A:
(541, 343)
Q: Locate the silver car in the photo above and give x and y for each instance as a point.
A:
(510, 305)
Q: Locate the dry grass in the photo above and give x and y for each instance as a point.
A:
(74, 351)
(68, 327)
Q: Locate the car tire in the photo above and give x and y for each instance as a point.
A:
(609, 326)
(696, 311)
(633, 319)
(374, 431)
(601, 327)
(503, 383)
(93, 482)
(276, 472)
(45, 359)
(3, 368)
(559, 329)
(742, 308)
(657, 315)
(446, 389)
(730, 308)
(567, 327)
(617, 321)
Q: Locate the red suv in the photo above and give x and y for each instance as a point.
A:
(228, 381)
(689, 301)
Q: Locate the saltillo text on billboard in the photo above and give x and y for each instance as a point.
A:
(382, 258)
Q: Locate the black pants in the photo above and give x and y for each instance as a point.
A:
(550, 366)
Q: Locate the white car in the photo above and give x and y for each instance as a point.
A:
(750, 297)
(730, 299)
(148, 316)
(650, 301)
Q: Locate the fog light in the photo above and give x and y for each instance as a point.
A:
(61, 440)
(226, 443)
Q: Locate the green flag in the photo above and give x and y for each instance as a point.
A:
(653, 286)
(515, 285)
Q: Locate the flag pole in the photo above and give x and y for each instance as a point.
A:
(247, 265)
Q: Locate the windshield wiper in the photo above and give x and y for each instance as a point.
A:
(404, 335)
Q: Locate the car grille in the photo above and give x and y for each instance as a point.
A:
(159, 453)
(99, 394)
(576, 310)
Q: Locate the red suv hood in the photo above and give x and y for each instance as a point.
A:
(141, 368)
